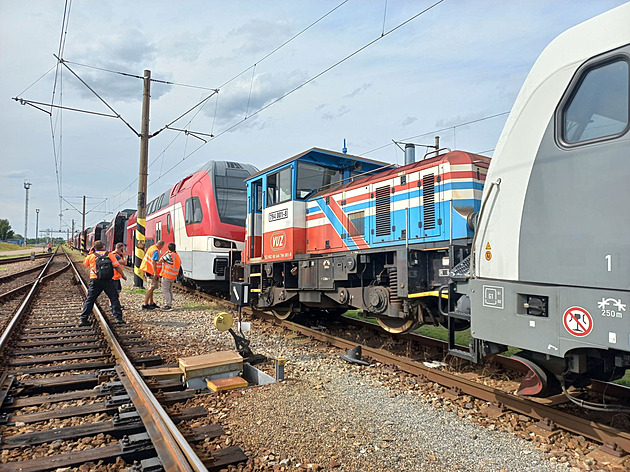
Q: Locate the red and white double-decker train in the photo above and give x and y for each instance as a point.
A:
(204, 215)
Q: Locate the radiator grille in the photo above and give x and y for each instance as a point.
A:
(383, 211)
(428, 201)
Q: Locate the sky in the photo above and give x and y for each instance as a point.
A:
(290, 75)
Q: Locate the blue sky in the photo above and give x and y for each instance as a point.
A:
(458, 62)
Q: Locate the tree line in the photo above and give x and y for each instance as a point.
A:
(6, 232)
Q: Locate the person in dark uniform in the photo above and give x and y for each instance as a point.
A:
(101, 285)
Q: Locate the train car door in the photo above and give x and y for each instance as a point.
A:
(255, 219)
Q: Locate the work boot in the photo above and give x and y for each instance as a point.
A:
(84, 323)
(120, 321)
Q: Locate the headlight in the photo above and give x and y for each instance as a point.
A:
(222, 243)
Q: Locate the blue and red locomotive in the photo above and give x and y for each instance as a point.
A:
(331, 231)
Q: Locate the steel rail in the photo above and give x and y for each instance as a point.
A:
(618, 391)
(8, 277)
(11, 260)
(18, 314)
(596, 431)
(173, 450)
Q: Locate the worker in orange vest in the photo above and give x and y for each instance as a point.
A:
(120, 257)
(151, 265)
(170, 268)
(102, 266)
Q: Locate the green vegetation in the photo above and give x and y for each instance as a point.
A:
(435, 332)
(11, 247)
(625, 380)
(136, 290)
(5, 230)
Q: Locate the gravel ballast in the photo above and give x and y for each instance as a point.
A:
(331, 415)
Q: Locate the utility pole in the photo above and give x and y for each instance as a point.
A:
(37, 226)
(141, 215)
(73, 234)
(27, 186)
(82, 242)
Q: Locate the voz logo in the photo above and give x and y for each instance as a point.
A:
(278, 240)
(278, 215)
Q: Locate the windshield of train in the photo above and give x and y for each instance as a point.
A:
(314, 177)
(231, 196)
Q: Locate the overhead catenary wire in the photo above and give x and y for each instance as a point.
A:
(382, 35)
(449, 128)
(276, 100)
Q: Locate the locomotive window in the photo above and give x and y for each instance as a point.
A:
(168, 223)
(279, 186)
(231, 196)
(313, 177)
(598, 108)
(194, 214)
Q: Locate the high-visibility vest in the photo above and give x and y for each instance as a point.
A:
(147, 262)
(120, 260)
(90, 261)
(169, 270)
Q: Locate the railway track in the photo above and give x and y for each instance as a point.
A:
(552, 415)
(72, 396)
(11, 260)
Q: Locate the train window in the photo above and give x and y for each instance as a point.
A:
(168, 223)
(598, 108)
(279, 186)
(314, 177)
(231, 195)
(194, 213)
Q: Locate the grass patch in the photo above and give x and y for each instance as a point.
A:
(625, 380)
(12, 247)
(136, 290)
(438, 332)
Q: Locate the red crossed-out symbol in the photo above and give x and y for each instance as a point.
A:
(578, 321)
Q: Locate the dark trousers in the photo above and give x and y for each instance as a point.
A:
(94, 290)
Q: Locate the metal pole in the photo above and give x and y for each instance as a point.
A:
(27, 186)
(141, 214)
(82, 242)
(37, 226)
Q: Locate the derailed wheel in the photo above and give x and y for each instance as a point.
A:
(398, 325)
(538, 381)
(284, 313)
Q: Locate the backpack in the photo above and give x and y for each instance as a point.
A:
(104, 267)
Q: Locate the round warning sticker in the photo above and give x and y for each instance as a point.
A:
(578, 321)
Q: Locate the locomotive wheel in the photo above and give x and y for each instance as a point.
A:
(398, 325)
(284, 313)
(538, 382)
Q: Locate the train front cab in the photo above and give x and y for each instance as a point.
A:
(550, 273)
(276, 240)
